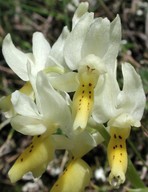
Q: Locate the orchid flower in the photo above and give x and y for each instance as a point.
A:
(90, 48)
(17, 60)
(122, 109)
(44, 57)
(77, 172)
(41, 120)
(49, 113)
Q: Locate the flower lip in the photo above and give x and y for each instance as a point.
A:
(117, 155)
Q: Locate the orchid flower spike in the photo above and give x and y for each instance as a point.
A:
(122, 109)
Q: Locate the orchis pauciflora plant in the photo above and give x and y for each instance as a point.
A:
(82, 61)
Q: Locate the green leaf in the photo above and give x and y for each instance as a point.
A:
(138, 190)
(144, 75)
(133, 176)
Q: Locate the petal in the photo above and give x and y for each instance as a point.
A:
(57, 48)
(75, 177)
(54, 107)
(106, 98)
(24, 105)
(16, 59)
(41, 49)
(80, 11)
(35, 158)
(75, 40)
(114, 44)
(97, 38)
(132, 98)
(28, 125)
(124, 120)
(67, 82)
(83, 143)
(62, 142)
(32, 74)
(78, 144)
(6, 104)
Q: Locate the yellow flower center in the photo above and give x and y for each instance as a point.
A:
(117, 155)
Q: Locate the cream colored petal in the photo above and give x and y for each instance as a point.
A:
(97, 38)
(132, 98)
(114, 44)
(83, 143)
(28, 125)
(41, 50)
(80, 11)
(24, 105)
(58, 47)
(105, 101)
(62, 142)
(53, 105)
(75, 40)
(66, 82)
(16, 59)
(5, 102)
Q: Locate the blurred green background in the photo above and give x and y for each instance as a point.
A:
(21, 18)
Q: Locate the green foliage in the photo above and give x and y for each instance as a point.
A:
(138, 190)
(144, 75)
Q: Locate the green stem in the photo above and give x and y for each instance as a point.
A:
(102, 130)
(4, 123)
(133, 176)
